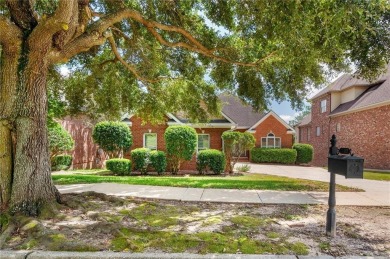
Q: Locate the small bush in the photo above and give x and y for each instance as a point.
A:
(304, 153)
(158, 160)
(212, 159)
(243, 168)
(119, 166)
(270, 155)
(61, 162)
(140, 158)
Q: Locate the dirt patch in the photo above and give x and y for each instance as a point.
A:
(96, 222)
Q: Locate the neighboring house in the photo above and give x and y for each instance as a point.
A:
(358, 113)
(268, 128)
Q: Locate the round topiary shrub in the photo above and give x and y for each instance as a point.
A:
(211, 159)
(119, 166)
(304, 153)
(181, 142)
(60, 141)
(158, 160)
(61, 162)
(113, 137)
(140, 158)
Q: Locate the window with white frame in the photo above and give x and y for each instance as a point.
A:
(338, 127)
(318, 131)
(203, 141)
(271, 141)
(323, 106)
(150, 141)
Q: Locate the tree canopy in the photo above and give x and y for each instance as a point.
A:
(149, 57)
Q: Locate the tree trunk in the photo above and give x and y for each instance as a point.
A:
(5, 164)
(32, 187)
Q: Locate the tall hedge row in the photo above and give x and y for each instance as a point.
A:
(270, 155)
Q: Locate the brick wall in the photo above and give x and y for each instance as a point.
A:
(366, 132)
(271, 124)
(320, 143)
(85, 151)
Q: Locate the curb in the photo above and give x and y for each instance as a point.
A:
(4, 254)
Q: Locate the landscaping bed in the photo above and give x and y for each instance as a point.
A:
(97, 222)
(245, 181)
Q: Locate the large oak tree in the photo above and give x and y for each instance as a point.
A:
(152, 56)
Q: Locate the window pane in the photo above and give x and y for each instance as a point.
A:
(203, 142)
(271, 142)
(263, 142)
(277, 142)
(151, 141)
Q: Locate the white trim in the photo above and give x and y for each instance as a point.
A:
(171, 116)
(197, 144)
(276, 117)
(205, 125)
(127, 116)
(144, 142)
(228, 118)
(368, 107)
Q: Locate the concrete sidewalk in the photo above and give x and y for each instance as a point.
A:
(377, 193)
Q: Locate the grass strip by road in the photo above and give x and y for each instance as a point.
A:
(380, 176)
(246, 182)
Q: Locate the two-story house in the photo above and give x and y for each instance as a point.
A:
(358, 113)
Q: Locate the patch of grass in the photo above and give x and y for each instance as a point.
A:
(248, 181)
(203, 242)
(324, 246)
(380, 176)
(154, 215)
(272, 235)
(248, 221)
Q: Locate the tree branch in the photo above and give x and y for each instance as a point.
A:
(131, 68)
(22, 13)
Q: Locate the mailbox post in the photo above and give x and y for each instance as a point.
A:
(343, 162)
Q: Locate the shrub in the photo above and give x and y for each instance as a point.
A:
(304, 153)
(61, 162)
(119, 166)
(181, 144)
(270, 155)
(211, 158)
(243, 168)
(140, 158)
(60, 141)
(158, 160)
(113, 137)
(235, 144)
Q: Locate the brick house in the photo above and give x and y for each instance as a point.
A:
(268, 128)
(358, 113)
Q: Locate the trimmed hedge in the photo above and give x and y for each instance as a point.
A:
(304, 153)
(140, 158)
(158, 160)
(119, 166)
(270, 155)
(181, 142)
(212, 159)
(61, 162)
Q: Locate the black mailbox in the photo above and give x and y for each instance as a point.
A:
(349, 166)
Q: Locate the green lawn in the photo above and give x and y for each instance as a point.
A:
(381, 176)
(246, 182)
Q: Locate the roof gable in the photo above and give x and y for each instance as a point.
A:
(272, 113)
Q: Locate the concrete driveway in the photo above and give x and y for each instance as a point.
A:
(377, 193)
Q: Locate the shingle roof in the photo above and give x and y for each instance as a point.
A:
(305, 120)
(375, 94)
(348, 80)
(243, 115)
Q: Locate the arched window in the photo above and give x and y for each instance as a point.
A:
(271, 141)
